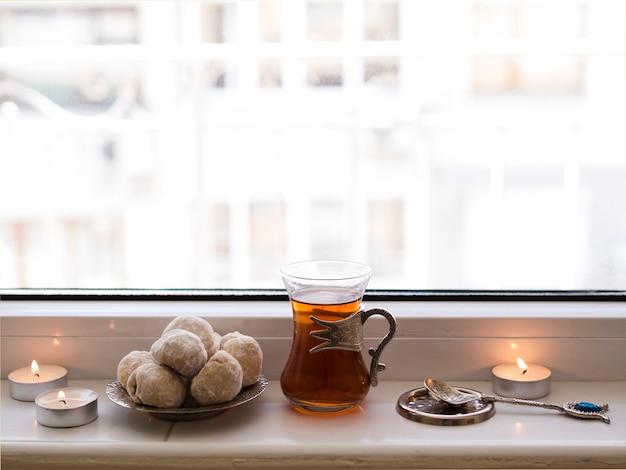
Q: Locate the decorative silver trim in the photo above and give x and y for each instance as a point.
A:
(346, 334)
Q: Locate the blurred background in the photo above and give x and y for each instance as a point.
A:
(449, 144)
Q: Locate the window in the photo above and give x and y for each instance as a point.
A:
(455, 144)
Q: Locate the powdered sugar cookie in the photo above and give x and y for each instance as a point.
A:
(219, 380)
(156, 385)
(196, 325)
(129, 363)
(181, 350)
(247, 351)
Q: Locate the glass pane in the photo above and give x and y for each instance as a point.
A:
(458, 144)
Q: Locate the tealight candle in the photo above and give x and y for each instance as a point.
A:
(28, 382)
(521, 380)
(66, 407)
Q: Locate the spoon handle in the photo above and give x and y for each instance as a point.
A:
(574, 409)
(521, 401)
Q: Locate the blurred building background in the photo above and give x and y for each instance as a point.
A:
(453, 144)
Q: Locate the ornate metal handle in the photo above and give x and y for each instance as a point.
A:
(376, 366)
(347, 334)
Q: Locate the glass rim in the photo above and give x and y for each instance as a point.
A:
(296, 270)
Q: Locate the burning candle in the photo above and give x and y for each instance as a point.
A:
(521, 380)
(28, 382)
(66, 407)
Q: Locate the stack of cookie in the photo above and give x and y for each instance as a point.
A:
(191, 365)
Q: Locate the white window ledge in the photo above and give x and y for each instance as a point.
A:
(584, 344)
(268, 433)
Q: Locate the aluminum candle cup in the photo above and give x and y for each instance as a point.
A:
(26, 383)
(66, 407)
(511, 381)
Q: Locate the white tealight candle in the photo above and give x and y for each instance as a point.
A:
(66, 407)
(521, 380)
(28, 382)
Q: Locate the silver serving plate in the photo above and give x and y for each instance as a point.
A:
(418, 405)
(119, 396)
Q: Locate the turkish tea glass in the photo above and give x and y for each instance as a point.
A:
(325, 371)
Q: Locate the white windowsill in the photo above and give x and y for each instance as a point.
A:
(583, 343)
(267, 433)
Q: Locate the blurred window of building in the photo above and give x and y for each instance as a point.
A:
(455, 144)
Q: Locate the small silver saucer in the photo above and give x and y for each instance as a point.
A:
(119, 396)
(418, 405)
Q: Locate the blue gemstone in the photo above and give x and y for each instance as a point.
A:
(587, 407)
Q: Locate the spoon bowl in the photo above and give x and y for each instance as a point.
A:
(449, 394)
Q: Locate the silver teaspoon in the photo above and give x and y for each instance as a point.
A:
(453, 396)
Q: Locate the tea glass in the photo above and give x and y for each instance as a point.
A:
(325, 371)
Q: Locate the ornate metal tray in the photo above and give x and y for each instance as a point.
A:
(119, 396)
(418, 405)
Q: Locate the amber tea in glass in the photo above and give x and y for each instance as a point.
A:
(325, 371)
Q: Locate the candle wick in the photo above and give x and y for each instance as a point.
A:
(36, 375)
(64, 402)
(524, 371)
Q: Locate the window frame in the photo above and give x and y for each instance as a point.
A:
(269, 295)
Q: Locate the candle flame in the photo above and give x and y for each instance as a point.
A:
(34, 367)
(522, 365)
(61, 397)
